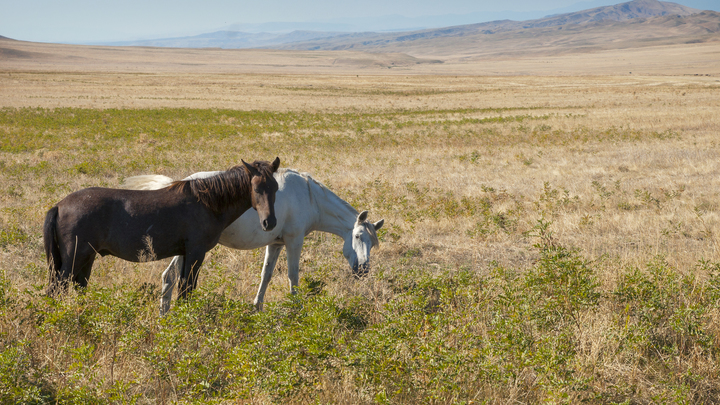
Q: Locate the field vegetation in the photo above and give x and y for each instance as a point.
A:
(546, 240)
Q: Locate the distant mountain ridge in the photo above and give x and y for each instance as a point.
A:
(638, 23)
(634, 24)
(619, 12)
(314, 40)
(231, 40)
(633, 10)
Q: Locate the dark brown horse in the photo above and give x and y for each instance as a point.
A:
(185, 218)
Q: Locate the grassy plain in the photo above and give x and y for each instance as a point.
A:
(547, 238)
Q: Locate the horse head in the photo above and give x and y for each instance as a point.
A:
(357, 247)
(264, 187)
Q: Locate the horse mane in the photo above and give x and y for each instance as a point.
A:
(311, 180)
(223, 190)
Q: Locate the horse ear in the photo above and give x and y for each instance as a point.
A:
(251, 170)
(275, 164)
(362, 217)
(379, 224)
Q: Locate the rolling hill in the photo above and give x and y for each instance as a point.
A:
(428, 42)
(637, 23)
(639, 36)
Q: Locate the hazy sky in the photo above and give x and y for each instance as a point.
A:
(92, 21)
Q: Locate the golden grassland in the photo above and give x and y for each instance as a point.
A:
(456, 56)
(478, 178)
(637, 138)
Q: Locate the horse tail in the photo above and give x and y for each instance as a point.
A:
(147, 182)
(52, 248)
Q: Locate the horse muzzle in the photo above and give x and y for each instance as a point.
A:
(360, 270)
(268, 224)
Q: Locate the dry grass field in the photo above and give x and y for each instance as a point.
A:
(552, 228)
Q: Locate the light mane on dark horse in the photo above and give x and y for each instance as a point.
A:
(223, 190)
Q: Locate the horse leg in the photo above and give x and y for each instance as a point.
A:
(59, 277)
(81, 273)
(169, 278)
(293, 249)
(190, 273)
(77, 263)
(272, 252)
(62, 271)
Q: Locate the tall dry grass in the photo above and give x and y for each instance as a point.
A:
(493, 191)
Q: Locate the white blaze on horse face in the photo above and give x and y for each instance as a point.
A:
(357, 249)
(362, 239)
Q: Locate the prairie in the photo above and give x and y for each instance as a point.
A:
(547, 238)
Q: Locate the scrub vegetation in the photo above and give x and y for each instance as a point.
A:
(555, 241)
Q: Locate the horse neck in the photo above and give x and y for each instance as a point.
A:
(235, 211)
(240, 203)
(334, 214)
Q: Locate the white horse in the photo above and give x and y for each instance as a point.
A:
(302, 205)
